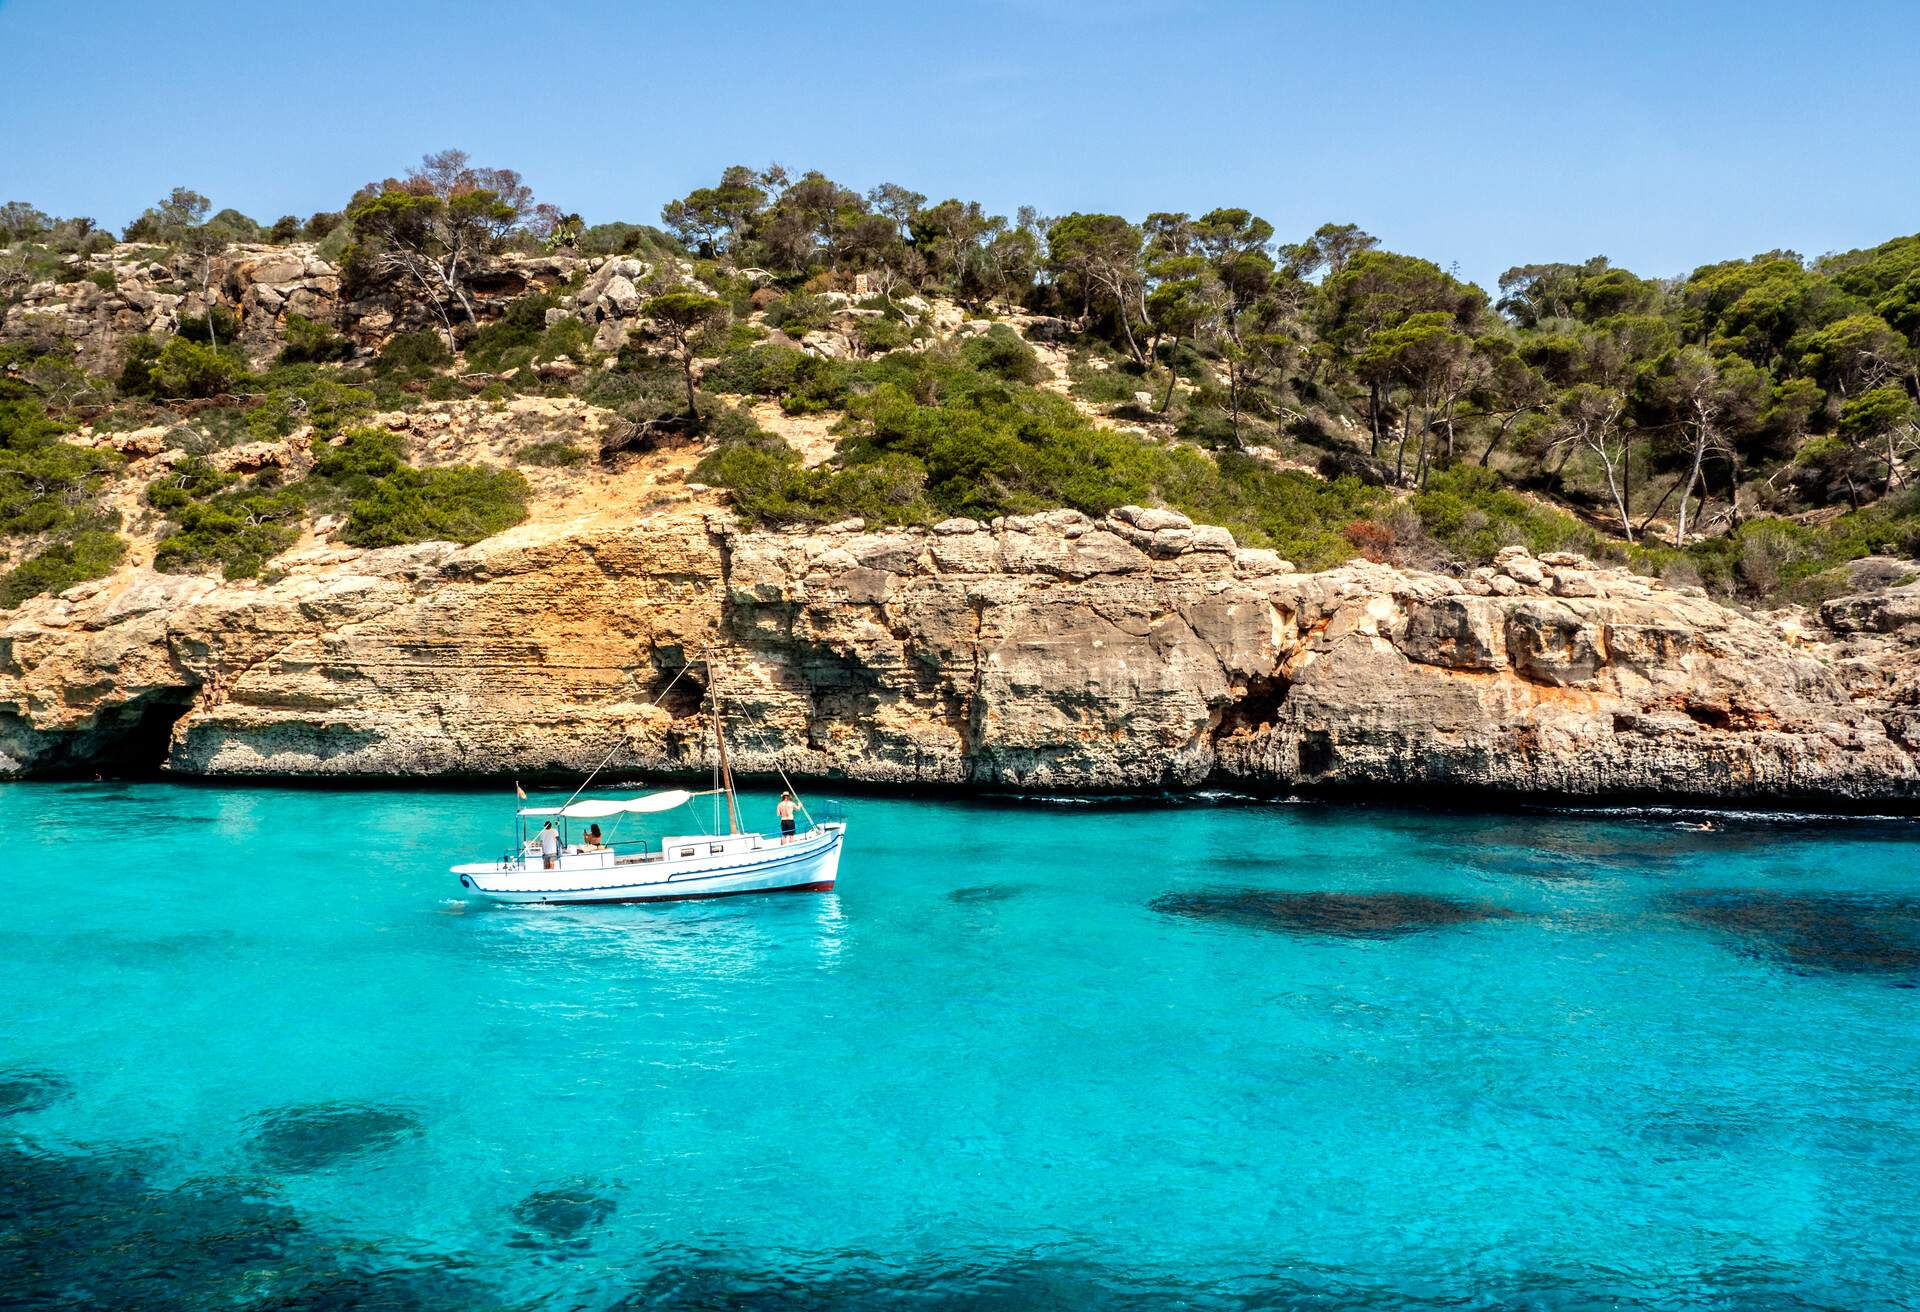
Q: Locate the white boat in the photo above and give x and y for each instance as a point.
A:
(672, 868)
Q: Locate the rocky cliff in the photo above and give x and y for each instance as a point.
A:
(1043, 652)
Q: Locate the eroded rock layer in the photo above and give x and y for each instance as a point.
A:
(1043, 652)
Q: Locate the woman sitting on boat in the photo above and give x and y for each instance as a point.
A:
(595, 843)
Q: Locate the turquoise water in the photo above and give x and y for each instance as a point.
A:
(255, 1052)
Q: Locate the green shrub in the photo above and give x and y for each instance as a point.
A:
(641, 388)
(216, 522)
(741, 335)
(1780, 560)
(1111, 386)
(356, 466)
(191, 480)
(389, 502)
(802, 383)
(626, 239)
(1472, 514)
(1302, 517)
(461, 504)
(510, 341)
(569, 337)
(334, 245)
(1001, 352)
(412, 356)
(88, 554)
(226, 327)
(212, 428)
(61, 381)
(551, 454)
(800, 314)
(136, 366)
(878, 336)
(44, 482)
(105, 279)
(890, 490)
(311, 342)
(299, 395)
(178, 368)
(238, 530)
(767, 482)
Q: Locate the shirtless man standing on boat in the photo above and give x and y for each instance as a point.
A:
(785, 811)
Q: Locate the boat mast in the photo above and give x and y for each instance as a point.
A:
(725, 769)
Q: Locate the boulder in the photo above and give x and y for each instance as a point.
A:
(136, 443)
(1551, 644)
(1459, 633)
(1151, 520)
(1522, 569)
(1873, 612)
(622, 297)
(252, 457)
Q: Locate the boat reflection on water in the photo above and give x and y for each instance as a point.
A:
(687, 941)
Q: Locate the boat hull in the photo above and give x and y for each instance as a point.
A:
(809, 864)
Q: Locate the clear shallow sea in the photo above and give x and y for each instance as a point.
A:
(254, 1052)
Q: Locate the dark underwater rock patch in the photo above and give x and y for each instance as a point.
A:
(986, 893)
(1830, 932)
(92, 1229)
(562, 1215)
(1332, 915)
(295, 1140)
(29, 1091)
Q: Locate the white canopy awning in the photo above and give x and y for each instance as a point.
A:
(599, 808)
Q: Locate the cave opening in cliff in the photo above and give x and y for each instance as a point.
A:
(684, 695)
(131, 740)
(1259, 709)
(1316, 755)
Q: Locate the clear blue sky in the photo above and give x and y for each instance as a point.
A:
(1488, 134)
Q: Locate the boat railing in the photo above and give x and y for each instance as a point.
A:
(637, 851)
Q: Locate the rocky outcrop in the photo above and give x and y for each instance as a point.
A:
(1048, 651)
(266, 284)
(612, 298)
(100, 301)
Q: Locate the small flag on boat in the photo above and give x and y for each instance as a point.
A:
(518, 789)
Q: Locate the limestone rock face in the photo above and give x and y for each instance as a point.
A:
(1043, 651)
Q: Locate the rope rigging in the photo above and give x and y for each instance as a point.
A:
(723, 769)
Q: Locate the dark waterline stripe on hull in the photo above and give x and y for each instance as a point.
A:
(823, 887)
